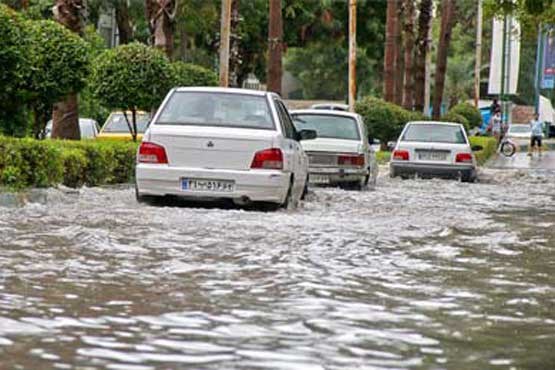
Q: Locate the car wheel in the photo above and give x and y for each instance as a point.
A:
(392, 173)
(143, 198)
(288, 202)
(305, 190)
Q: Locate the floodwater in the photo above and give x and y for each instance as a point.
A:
(415, 275)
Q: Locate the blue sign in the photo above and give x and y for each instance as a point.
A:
(548, 61)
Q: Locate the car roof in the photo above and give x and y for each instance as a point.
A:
(435, 123)
(338, 105)
(227, 90)
(325, 112)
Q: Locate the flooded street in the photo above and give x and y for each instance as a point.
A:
(415, 275)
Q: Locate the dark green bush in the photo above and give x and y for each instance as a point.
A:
(470, 112)
(456, 118)
(31, 163)
(384, 120)
(188, 74)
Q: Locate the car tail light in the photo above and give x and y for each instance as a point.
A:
(401, 155)
(463, 157)
(268, 159)
(152, 153)
(351, 160)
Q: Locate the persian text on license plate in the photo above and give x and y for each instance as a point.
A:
(315, 179)
(433, 156)
(221, 186)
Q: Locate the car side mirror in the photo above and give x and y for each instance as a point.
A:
(477, 148)
(307, 134)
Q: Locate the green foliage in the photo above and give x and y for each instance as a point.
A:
(384, 120)
(456, 118)
(322, 70)
(187, 74)
(133, 76)
(489, 145)
(31, 163)
(383, 157)
(60, 60)
(470, 112)
(14, 66)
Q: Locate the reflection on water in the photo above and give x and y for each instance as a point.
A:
(418, 274)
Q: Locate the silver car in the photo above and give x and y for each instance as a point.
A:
(88, 128)
(434, 149)
(341, 154)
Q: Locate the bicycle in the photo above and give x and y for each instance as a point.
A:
(507, 147)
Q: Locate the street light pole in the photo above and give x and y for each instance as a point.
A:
(352, 53)
(477, 65)
(225, 30)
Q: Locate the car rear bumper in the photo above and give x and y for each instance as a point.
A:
(433, 170)
(250, 185)
(334, 175)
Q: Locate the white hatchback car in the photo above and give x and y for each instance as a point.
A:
(436, 149)
(341, 155)
(206, 143)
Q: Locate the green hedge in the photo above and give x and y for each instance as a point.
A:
(456, 118)
(384, 120)
(32, 163)
(489, 145)
(469, 112)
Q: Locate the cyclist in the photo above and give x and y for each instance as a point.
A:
(495, 125)
(537, 134)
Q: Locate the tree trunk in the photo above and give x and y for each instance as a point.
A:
(65, 119)
(447, 20)
(275, 36)
(160, 15)
(389, 53)
(399, 63)
(422, 48)
(125, 31)
(409, 51)
(65, 115)
(234, 51)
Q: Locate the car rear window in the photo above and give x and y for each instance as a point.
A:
(116, 123)
(329, 126)
(217, 109)
(434, 133)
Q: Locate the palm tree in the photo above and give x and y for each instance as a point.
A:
(422, 48)
(447, 20)
(161, 15)
(390, 50)
(65, 114)
(409, 51)
(275, 39)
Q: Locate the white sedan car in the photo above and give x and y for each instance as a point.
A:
(520, 132)
(341, 155)
(206, 143)
(436, 149)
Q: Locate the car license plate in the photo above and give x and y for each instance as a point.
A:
(432, 155)
(219, 186)
(315, 179)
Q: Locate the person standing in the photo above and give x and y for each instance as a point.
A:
(537, 135)
(495, 125)
(494, 107)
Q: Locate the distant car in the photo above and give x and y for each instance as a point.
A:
(88, 128)
(331, 106)
(520, 131)
(437, 149)
(235, 144)
(116, 127)
(341, 155)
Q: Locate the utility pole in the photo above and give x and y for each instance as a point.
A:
(477, 65)
(539, 64)
(275, 35)
(225, 30)
(352, 53)
(504, 74)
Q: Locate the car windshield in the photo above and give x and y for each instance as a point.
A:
(434, 133)
(217, 109)
(520, 129)
(116, 123)
(329, 126)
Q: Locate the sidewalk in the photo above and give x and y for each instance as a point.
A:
(522, 161)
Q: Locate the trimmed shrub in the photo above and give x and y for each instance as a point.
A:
(455, 118)
(188, 74)
(384, 120)
(470, 112)
(31, 163)
(489, 145)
